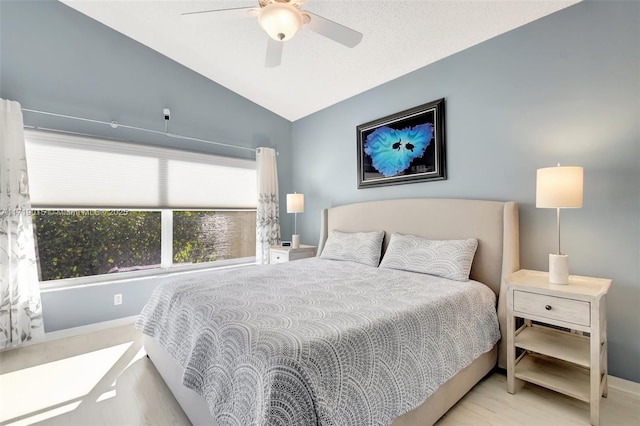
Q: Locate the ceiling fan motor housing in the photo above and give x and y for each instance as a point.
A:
(280, 20)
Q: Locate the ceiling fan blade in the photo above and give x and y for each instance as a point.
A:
(333, 30)
(205, 16)
(274, 53)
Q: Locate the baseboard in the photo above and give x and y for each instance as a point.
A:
(76, 331)
(89, 328)
(623, 385)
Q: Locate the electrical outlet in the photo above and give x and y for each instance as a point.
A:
(117, 299)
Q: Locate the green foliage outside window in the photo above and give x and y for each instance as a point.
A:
(207, 236)
(79, 243)
(191, 243)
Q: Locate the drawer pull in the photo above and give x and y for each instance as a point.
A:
(553, 307)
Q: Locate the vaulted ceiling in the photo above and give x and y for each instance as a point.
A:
(316, 72)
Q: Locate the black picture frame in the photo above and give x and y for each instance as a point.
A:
(385, 159)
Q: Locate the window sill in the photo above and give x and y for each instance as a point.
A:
(96, 280)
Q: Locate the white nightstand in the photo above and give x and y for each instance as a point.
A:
(279, 254)
(570, 362)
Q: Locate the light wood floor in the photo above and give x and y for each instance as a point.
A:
(103, 378)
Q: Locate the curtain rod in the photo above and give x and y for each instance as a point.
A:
(115, 125)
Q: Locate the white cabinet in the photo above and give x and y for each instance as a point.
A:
(279, 254)
(562, 341)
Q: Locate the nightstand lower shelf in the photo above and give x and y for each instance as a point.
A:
(555, 374)
(558, 344)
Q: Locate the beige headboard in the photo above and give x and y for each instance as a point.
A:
(493, 223)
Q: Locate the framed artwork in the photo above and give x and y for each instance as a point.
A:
(402, 148)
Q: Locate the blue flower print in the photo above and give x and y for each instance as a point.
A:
(392, 151)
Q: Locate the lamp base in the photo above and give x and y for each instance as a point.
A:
(558, 268)
(295, 241)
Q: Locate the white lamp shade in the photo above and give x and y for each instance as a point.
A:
(295, 203)
(280, 20)
(559, 187)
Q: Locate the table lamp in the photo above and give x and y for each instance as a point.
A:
(295, 205)
(559, 188)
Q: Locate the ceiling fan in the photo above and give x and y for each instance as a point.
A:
(281, 19)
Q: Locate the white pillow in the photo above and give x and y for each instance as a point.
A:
(445, 258)
(361, 247)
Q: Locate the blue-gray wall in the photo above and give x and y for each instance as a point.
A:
(53, 58)
(562, 89)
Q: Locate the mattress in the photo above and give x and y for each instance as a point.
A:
(319, 341)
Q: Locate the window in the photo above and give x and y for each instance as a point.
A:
(81, 243)
(208, 236)
(104, 207)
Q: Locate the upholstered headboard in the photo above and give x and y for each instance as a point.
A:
(493, 223)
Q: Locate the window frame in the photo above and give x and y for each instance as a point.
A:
(78, 282)
(157, 152)
(167, 267)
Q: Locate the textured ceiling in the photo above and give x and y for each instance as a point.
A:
(399, 37)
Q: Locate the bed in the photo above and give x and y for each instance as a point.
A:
(282, 389)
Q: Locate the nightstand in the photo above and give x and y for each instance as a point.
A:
(562, 343)
(279, 254)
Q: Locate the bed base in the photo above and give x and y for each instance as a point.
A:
(193, 405)
(434, 407)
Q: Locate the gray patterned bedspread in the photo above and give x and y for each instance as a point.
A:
(319, 341)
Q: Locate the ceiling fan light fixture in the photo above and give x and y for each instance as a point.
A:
(280, 20)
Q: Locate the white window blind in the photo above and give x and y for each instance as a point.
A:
(80, 172)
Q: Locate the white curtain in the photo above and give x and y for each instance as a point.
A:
(20, 307)
(268, 212)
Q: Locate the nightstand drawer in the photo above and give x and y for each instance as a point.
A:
(277, 256)
(557, 308)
